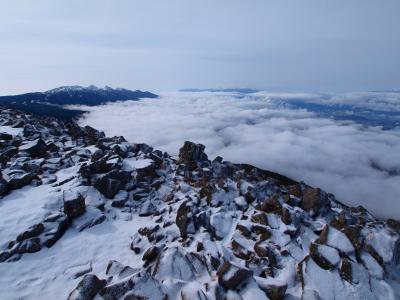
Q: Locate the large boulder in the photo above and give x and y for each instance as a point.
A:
(231, 276)
(264, 249)
(87, 288)
(18, 180)
(192, 155)
(274, 288)
(117, 290)
(105, 165)
(93, 135)
(146, 172)
(36, 148)
(74, 203)
(110, 184)
(326, 257)
(221, 223)
(173, 264)
(313, 200)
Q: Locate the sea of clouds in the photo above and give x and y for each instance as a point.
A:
(359, 164)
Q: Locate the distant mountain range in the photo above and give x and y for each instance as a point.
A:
(230, 90)
(50, 103)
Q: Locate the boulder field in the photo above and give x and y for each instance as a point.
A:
(207, 229)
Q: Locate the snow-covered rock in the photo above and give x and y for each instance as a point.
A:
(85, 216)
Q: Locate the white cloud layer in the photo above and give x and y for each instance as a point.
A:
(361, 166)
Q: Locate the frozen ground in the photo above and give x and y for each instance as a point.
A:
(49, 274)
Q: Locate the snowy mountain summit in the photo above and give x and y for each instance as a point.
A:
(85, 216)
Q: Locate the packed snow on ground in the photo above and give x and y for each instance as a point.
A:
(130, 164)
(49, 273)
(11, 130)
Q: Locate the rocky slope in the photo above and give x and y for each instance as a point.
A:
(84, 216)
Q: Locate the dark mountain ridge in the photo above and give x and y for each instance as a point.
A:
(50, 103)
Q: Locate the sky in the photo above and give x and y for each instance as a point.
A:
(285, 45)
(359, 164)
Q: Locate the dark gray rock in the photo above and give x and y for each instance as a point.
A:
(4, 255)
(5, 136)
(346, 270)
(36, 148)
(145, 286)
(151, 253)
(271, 205)
(32, 167)
(147, 173)
(74, 203)
(92, 218)
(263, 250)
(319, 259)
(32, 231)
(231, 276)
(119, 203)
(192, 155)
(87, 288)
(274, 291)
(182, 219)
(28, 246)
(55, 227)
(313, 200)
(120, 199)
(172, 263)
(105, 165)
(75, 130)
(115, 268)
(142, 148)
(7, 153)
(18, 180)
(93, 135)
(116, 290)
(109, 184)
(3, 187)
(147, 209)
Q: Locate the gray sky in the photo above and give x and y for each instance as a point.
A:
(308, 45)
